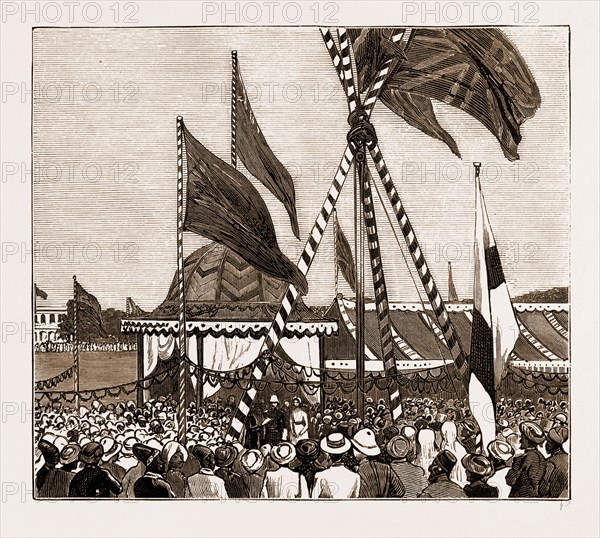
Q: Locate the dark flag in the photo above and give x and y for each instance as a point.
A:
(494, 330)
(343, 256)
(224, 206)
(40, 293)
(89, 311)
(258, 157)
(477, 70)
(452, 295)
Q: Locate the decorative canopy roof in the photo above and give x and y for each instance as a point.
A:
(227, 296)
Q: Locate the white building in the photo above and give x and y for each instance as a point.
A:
(46, 323)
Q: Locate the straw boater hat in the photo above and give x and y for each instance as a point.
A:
(252, 460)
(500, 450)
(335, 443)
(110, 447)
(283, 453)
(69, 453)
(364, 441)
(532, 431)
(477, 464)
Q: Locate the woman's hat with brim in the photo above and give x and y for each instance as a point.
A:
(252, 460)
(398, 447)
(69, 453)
(335, 443)
(364, 441)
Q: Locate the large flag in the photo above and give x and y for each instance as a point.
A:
(494, 329)
(89, 311)
(224, 206)
(343, 256)
(259, 159)
(40, 293)
(477, 70)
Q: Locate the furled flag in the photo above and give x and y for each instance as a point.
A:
(89, 311)
(452, 295)
(494, 330)
(224, 206)
(40, 293)
(343, 256)
(477, 70)
(258, 157)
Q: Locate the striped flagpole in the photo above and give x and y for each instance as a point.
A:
(182, 397)
(336, 269)
(75, 344)
(359, 247)
(278, 325)
(234, 70)
(433, 294)
(351, 94)
(381, 298)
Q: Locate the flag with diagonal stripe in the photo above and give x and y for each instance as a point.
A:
(343, 256)
(494, 330)
(257, 156)
(223, 205)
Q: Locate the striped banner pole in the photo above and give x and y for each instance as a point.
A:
(381, 297)
(277, 327)
(336, 269)
(359, 248)
(433, 294)
(234, 75)
(182, 396)
(75, 345)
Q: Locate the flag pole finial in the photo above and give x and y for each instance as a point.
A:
(179, 118)
(477, 167)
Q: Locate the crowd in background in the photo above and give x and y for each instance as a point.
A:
(292, 449)
(64, 347)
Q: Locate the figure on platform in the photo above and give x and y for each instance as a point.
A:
(298, 426)
(274, 423)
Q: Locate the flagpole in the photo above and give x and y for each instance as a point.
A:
(75, 345)
(359, 245)
(182, 400)
(234, 69)
(335, 251)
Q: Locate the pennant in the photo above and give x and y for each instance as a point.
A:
(259, 159)
(223, 205)
(343, 256)
(494, 330)
(40, 293)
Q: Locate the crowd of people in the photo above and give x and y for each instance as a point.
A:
(64, 347)
(295, 450)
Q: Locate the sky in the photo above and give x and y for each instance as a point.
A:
(104, 150)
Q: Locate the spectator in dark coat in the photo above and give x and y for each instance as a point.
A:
(527, 469)
(412, 476)
(555, 483)
(377, 479)
(51, 456)
(59, 480)
(478, 469)
(93, 481)
(224, 458)
(310, 460)
(440, 486)
(152, 484)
